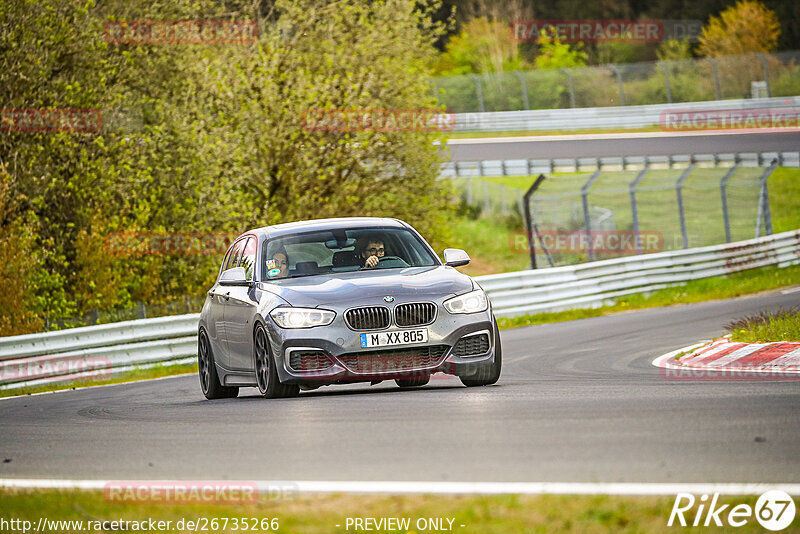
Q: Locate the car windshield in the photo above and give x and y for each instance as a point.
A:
(344, 250)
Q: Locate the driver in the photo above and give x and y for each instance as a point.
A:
(371, 251)
(279, 265)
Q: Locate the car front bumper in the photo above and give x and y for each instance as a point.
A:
(344, 360)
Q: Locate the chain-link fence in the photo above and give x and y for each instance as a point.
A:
(648, 207)
(689, 80)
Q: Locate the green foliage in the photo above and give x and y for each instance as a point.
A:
(674, 49)
(200, 138)
(481, 46)
(743, 28)
(766, 327)
(553, 54)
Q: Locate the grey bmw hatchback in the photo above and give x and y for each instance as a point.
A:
(338, 301)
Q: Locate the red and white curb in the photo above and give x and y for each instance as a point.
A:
(723, 356)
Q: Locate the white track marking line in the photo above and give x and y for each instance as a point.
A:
(609, 136)
(448, 488)
(193, 373)
(790, 290)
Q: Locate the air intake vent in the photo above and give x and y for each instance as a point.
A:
(474, 345)
(394, 360)
(367, 318)
(309, 360)
(415, 314)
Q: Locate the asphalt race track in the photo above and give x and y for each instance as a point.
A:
(577, 402)
(625, 144)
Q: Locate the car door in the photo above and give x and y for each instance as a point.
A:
(240, 310)
(220, 295)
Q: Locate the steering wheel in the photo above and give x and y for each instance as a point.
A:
(395, 258)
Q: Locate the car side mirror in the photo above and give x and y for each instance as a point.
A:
(234, 277)
(455, 257)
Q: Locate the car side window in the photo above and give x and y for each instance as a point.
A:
(249, 258)
(235, 256)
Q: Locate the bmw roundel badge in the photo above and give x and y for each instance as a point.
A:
(388, 299)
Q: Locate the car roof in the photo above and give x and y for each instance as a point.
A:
(278, 230)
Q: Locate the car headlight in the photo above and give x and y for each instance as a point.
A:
(301, 317)
(472, 302)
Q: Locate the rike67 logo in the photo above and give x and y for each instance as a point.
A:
(774, 510)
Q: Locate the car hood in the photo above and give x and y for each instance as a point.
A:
(353, 287)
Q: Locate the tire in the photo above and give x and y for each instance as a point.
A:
(269, 385)
(207, 370)
(413, 382)
(487, 374)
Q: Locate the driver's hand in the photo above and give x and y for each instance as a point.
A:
(371, 262)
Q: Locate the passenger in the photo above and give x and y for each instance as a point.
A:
(280, 261)
(370, 250)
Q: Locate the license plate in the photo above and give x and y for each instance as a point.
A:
(396, 337)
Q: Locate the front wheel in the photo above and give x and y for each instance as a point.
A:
(209, 379)
(266, 375)
(487, 374)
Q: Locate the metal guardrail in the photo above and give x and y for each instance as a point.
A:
(604, 117)
(529, 167)
(597, 283)
(111, 348)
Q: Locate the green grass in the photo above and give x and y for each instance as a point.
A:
(500, 514)
(490, 241)
(766, 327)
(735, 285)
(157, 371)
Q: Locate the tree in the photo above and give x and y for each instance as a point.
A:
(744, 28)
(212, 138)
(481, 46)
(553, 54)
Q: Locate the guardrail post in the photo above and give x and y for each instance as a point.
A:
(681, 213)
(478, 92)
(524, 85)
(142, 311)
(571, 86)
(503, 205)
(487, 205)
(586, 218)
(723, 184)
(666, 78)
(716, 77)
(619, 81)
(634, 210)
(763, 202)
(765, 65)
